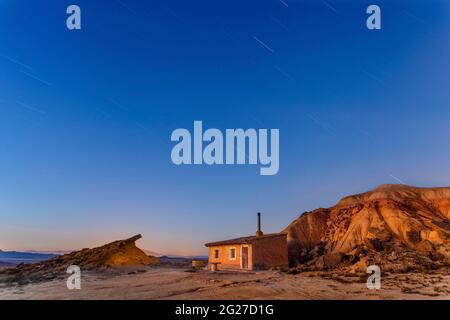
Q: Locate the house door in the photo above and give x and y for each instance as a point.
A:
(244, 257)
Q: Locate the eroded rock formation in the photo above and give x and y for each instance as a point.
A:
(396, 226)
(121, 253)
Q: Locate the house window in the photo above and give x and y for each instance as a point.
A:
(232, 253)
(216, 253)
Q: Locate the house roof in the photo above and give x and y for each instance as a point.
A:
(244, 240)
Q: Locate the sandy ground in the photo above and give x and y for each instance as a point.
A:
(176, 283)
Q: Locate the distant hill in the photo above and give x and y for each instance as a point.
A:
(16, 257)
(55, 252)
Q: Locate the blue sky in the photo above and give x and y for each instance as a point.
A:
(86, 116)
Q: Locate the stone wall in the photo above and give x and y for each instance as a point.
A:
(270, 252)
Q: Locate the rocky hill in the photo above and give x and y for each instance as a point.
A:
(398, 227)
(16, 257)
(121, 253)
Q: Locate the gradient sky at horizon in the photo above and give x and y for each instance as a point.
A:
(86, 116)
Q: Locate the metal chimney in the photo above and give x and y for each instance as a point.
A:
(258, 231)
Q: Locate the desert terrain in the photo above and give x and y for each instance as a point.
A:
(181, 283)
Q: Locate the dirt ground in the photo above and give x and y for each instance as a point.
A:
(177, 283)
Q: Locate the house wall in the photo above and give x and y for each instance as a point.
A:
(270, 252)
(224, 256)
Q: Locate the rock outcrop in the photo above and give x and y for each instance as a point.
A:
(397, 226)
(121, 253)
